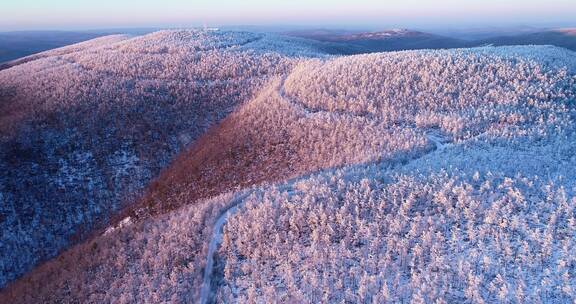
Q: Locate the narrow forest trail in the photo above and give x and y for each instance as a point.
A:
(218, 232)
(300, 107)
(439, 143)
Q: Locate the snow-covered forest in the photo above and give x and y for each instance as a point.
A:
(86, 127)
(418, 176)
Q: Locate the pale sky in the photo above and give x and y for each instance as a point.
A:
(81, 14)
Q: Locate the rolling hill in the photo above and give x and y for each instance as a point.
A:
(240, 167)
(84, 128)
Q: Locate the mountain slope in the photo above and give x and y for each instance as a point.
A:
(84, 128)
(399, 159)
(307, 122)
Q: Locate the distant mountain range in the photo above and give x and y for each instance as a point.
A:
(369, 42)
(350, 42)
(15, 45)
(565, 38)
(342, 35)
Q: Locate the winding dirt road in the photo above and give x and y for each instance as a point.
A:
(215, 241)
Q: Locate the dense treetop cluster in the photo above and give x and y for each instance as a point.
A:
(86, 127)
